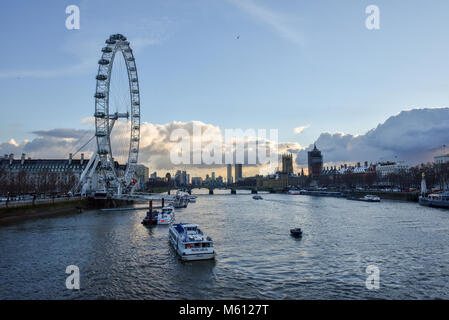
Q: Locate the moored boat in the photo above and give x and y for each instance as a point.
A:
(190, 242)
(180, 203)
(435, 200)
(181, 199)
(150, 218)
(366, 198)
(165, 216)
(322, 193)
(257, 198)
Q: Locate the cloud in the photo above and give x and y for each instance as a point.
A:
(414, 136)
(156, 144)
(300, 129)
(63, 133)
(13, 142)
(280, 23)
(55, 143)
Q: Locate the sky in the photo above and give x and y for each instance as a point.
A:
(303, 67)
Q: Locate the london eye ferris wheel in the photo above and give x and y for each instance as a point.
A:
(117, 120)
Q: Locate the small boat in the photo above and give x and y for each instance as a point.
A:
(294, 192)
(181, 199)
(165, 216)
(366, 198)
(192, 199)
(257, 198)
(151, 218)
(322, 193)
(296, 232)
(435, 200)
(190, 242)
(180, 203)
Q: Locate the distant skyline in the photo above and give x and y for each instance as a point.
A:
(303, 67)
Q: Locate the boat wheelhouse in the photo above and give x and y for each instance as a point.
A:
(190, 242)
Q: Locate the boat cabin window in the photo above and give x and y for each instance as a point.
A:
(190, 230)
(206, 245)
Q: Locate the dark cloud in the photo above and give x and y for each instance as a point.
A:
(63, 133)
(413, 135)
(56, 143)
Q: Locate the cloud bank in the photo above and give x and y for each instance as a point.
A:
(156, 144)
(414, 136)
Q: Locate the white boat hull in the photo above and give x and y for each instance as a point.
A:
(166, 220)
(198, 256)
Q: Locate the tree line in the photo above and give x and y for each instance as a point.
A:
(42, 182)
(436, 175)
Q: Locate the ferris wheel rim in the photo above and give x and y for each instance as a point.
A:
(103, 117)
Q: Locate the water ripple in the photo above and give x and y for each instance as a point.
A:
(256, 257)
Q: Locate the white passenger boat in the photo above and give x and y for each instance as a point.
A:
(371, 198)
(181, 199)
(180, 203)
(294, 192)
(165, 216)
(190, 242)
(366, 198)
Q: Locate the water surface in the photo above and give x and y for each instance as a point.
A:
(256, 257)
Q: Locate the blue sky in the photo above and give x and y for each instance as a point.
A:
(296, 63)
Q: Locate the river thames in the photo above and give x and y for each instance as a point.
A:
(119, 258)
